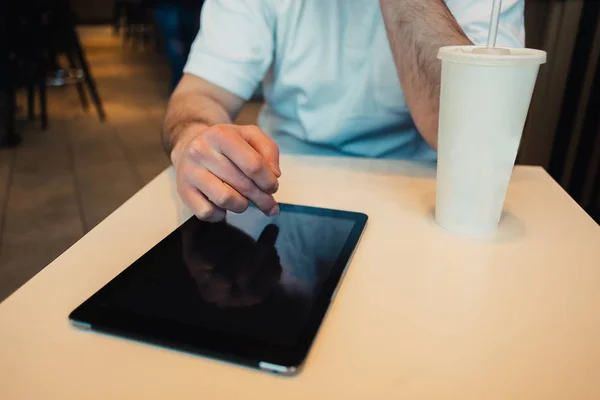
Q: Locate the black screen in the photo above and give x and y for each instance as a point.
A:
(252, 276)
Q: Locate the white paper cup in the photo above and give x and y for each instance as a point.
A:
(484, 102)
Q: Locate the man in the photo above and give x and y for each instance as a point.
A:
(354, 77)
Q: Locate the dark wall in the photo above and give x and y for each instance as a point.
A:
(93, 11)
(563, 129)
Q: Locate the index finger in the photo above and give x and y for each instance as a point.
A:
(247, 159)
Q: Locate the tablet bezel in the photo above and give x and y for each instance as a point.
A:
(220, 345)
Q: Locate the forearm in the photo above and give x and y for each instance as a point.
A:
(190, 108)
(416, 29)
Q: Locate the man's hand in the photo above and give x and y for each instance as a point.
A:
(224, 167)
(219, 166)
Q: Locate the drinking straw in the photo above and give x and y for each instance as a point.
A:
(494, 21)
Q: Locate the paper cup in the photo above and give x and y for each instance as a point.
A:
(484, 102)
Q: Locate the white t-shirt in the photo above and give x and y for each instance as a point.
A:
(329, 79)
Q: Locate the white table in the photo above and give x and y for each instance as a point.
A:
(422, 313)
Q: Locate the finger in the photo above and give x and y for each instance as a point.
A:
(225, 170)
(219, 193)
(264, 145)
(222, 167)
(233, 146)
(199, 204)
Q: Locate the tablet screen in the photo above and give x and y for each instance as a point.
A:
(252, 276)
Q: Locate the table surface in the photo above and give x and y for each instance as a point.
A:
(422, 313)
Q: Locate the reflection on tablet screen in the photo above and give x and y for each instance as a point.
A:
(252, 275)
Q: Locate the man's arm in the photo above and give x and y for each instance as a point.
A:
(197, 102)
(416, 29)
(220, 166)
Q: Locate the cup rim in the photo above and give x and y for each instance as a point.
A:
(517, 57)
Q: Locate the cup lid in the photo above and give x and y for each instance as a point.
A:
(475, 56)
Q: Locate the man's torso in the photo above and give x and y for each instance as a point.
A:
(333, 82)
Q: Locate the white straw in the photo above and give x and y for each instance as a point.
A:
(494, 21)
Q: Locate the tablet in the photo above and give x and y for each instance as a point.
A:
(251, 289)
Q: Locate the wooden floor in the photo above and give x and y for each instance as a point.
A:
(63, 181)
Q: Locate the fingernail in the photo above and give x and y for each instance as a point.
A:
(273, 211)
(276, 169)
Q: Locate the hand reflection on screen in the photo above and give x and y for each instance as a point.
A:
(230, 268)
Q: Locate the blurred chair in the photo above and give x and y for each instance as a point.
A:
(65, 41)
(136, 19)
(25, 58)
(39, 33)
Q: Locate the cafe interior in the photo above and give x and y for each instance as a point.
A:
(84, 86)
(88, 84)
(81, 121)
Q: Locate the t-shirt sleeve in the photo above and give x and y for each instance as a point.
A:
(234, 47)
(474, 18)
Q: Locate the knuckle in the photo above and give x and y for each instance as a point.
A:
(196, 152)
(239, 206)
(217, 131)
(245, 185)
(254, 166)
(226, 199)
(197, 149)
(243, 206)
(206, 212)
